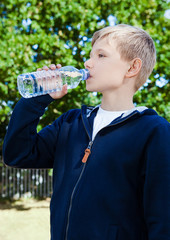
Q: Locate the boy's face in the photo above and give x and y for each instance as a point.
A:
(107, 70)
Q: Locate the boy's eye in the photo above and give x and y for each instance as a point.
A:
(101, 55)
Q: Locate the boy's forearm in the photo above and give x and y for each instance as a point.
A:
(20, 144)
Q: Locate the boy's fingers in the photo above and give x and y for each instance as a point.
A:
(58, 66)
(52, 66)
(64, 89)
(57, 95)
(45, 68)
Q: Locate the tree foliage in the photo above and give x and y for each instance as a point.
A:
(36, 33)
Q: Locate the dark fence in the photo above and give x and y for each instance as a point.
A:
(19, 183)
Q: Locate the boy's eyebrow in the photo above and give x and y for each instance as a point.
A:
(98, 50)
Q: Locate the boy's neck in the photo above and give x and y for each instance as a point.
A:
(117, 102)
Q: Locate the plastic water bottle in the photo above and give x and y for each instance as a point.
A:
(43, 82)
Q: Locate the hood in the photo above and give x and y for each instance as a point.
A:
(140, 109)
(91, 111)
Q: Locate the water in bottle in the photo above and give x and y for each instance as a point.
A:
(43, 82)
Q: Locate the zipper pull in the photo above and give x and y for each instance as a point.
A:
(87, 152)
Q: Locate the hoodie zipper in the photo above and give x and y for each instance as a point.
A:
(84, 160)
(71, 200)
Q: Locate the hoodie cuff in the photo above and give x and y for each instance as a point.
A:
(43, 100)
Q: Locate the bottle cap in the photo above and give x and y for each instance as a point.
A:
(85, 74)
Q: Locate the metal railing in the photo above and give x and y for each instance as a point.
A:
(19, 183)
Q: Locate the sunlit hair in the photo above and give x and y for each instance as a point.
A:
(131, 42)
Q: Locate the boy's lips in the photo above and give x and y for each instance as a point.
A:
(89, 77)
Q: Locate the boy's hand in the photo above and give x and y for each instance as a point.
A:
(55, 95)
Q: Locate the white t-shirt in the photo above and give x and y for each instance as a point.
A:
(103, 118)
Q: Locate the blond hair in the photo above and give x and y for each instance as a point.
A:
(131, 42)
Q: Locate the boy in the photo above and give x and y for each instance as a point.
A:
(119, 189)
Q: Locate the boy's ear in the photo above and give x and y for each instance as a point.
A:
(134, 67)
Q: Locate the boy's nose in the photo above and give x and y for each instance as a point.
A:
(88, 64)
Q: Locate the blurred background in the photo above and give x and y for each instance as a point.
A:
(37, 33)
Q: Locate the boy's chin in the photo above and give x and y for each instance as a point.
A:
(90, 89)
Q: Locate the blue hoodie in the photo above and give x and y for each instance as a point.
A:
(119, 189)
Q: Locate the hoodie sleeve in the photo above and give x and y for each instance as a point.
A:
(157, 183)
(23, 147)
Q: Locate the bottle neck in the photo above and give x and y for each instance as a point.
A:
(85, 74)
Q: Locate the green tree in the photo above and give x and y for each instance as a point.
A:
(37, 33)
